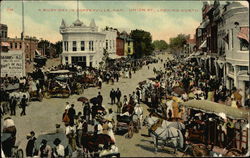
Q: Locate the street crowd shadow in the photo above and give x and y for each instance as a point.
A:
(160, 149)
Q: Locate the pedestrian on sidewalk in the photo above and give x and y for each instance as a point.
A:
(112, 96)
(100, 82)
(99, 99)
(13, 103)
(118, 94)
(130, 74)
(86, 112)
(30, 147)
(71, 114)
(23, 105)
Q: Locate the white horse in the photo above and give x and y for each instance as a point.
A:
(138, 115)
(168, 132)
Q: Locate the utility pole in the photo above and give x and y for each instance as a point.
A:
(23, 45)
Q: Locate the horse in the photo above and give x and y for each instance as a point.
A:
(168, 132)
(93, 143)
(137, 116)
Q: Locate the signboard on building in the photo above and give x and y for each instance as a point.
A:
(12, 63)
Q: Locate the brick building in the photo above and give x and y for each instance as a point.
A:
(30, 43)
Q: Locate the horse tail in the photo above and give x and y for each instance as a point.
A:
(180, 139)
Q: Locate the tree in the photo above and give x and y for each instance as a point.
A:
(58, 47)
(160, 45)
(142, 43)
(177, 43)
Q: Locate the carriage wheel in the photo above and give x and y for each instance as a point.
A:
(19, 153)
(233, 152)
(47, 95)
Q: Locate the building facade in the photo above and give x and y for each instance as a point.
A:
(128, 45)
(223, 40)
(82, 45)
(110, 39)
(119, 46)
(30, 44)
(3, 32)
(236, 18)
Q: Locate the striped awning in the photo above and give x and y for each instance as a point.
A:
(203, 45)
(244, 33)
(5, 44)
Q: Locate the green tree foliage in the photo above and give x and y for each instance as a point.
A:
(178, 42)
(142, 43)
(160, 45)
(47, 46)
(58, 47)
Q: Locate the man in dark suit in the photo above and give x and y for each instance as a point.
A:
(112, 96)
(99, 98)
(118, 94)
(13, 103)
(71, 114)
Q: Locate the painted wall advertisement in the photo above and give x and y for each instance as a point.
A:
(12, 63)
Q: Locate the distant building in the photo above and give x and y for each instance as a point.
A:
(125, 45)
(82, 45)
(4, 47)
(110, 39)
(30, 43)
(3, 32)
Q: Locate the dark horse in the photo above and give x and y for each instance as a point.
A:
(94, 143)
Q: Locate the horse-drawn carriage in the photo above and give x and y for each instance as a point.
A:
(223, 128)
(58, 84)
(89, 80)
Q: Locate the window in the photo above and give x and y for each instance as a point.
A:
(11, 46)
(107, 44)
(232, 37)
(110, 46)
(15, 45)
(66, 45)
(242, 68)
(74, 46)
(66, 60)
(82, 45)
(20, 44)
(129, 51)
(91, 45)
(128, 43)
(244, 46)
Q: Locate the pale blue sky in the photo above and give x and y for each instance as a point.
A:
(45, 24)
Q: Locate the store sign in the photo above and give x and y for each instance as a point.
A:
(12, 63)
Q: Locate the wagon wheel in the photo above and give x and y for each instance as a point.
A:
(130, 130)
(47, 95)
(19, 153)
(233, 152)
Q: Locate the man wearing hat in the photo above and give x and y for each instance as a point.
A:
(30, 148)
(58, 151)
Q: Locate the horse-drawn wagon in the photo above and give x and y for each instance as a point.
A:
(223, 128)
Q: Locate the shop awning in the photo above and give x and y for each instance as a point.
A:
(203, 45)
(5, 44)
(244, 33)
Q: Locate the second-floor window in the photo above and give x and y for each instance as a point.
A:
(244, 46)
(66, 45)
(91, 45)
(232, 37)
(74, 48)
(82, 45)
(107, 44)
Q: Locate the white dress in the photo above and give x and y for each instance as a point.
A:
(110, 131)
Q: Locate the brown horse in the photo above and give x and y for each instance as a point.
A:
(91, 143)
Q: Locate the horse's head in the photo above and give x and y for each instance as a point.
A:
(149, 121)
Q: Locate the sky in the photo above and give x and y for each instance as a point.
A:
(163, 19)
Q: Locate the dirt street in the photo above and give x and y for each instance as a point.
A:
(42, 116)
